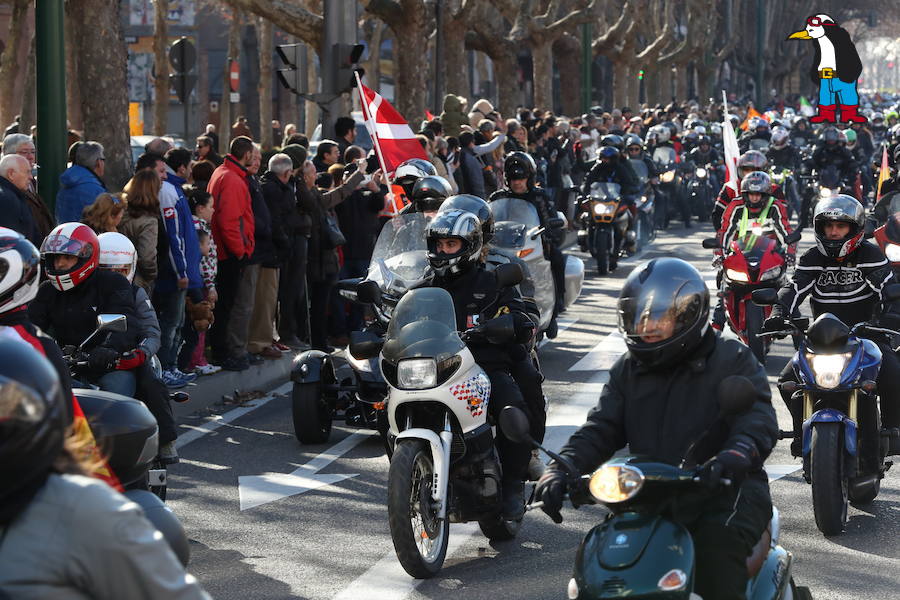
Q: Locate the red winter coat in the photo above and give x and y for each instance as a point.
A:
(232, 222)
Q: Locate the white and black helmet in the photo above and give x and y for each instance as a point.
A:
(20, 270)
(117, 252)
(458, 224)
(846, 209)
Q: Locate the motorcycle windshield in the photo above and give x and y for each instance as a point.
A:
(640, 169)
(423, 326)
(664, 155)
(754, 245)
(509, 235)
(759, 144)
(515, 210)
(605, 191)
(399, 258)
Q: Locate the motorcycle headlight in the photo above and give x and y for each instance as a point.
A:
(667, 177)
(734, 275)
(417, 373)
(616, 483)
(892, 251)
(601, 208)
(772, 273)
(828, 368)
(701, 172)
(825, 193)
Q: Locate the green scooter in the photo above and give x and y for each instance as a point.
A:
(640, 551)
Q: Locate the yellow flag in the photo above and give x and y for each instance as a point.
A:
(884, 174)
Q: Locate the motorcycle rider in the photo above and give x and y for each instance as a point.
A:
(757, 130)
(748, 162)
(62, 534)
(801, 129)
(704, 154)
(519, 172)
(830, 152)
(117, 254)
(661, 395)
(67, 305)
(634, 150)
(844, 275)
(783, 155)
(428, 193)
(405, 177)
(756, 208)
(455, 253)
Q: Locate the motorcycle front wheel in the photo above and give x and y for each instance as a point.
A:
(602, 248)
(420, 537)
(828, 477)
(754, 323)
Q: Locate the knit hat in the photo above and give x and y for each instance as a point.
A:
(297, 153)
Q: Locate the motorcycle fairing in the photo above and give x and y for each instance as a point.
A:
(830, 415)
(864, 364)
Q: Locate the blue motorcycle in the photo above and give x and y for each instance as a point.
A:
(843, 444)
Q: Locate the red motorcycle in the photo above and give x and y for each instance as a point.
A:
(757, 261)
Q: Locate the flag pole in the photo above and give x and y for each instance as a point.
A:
(373, 129)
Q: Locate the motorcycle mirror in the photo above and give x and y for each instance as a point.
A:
(765, 297)
(891, 292)
(514, 425)
(509, 274)
(368, 292)
(365, 345)
(499, 329)
(556, 223)
(117, 323)
(711, 243)
(736, 395)
(794, 236)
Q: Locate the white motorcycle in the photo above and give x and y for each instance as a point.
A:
(444, 466)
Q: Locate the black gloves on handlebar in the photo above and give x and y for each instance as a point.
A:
(776, 323)
(551, 490)
(733, 463)
(102, 358)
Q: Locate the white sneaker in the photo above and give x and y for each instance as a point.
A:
(188, 377)
(207, 369)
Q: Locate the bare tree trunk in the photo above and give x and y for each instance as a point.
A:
(665, 85)
(620, 84)
(29, 97)
(542, 73)
(631, 87)
(73, 92)
(455, 65)
(312, 83)
(203, 116)
(373, 64)
(567, 54)
(409, 74)
(102, 70)
(266, 47)
(234, 34)
(10, 70)
(161, 68)
(681, 75)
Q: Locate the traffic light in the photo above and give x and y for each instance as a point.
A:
(182, 57)
(640, 75)
(344, 62)
(293, 75)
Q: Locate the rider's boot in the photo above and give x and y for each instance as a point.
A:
(513, 499)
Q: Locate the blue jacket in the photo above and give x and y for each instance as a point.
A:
(183, 259)
(16, 214)
(79, 187)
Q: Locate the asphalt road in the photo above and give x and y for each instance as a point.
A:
(270, 519)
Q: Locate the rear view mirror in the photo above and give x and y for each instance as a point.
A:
(514, 425)
(556, 223)
(369, 292)
(765, 297)
(346, 288)
(891, 292)
(509, 274)
(365, 345)
(711, 243)
(115, 323)
(736, 395)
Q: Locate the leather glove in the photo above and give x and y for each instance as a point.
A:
(733, 463)
(776, 324)
(551, 490)
(102, 358)
(131, 360)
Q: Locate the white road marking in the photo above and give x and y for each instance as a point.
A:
(386, 579)
(603, 355)
(562, 325)
(256, 490)
(217, 421)
(776, 472)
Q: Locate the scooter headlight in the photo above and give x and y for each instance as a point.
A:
(892, 251)
(828, 368)
(667, 177)
(616, 483)
(773, 273)
(417, 373)
(825, 193)
(734, 275)
(701, 172)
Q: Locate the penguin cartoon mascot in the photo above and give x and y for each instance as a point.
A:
(836, 68)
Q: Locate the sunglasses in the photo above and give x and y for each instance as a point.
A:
(817, 22)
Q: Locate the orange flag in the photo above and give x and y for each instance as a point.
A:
(751, 112)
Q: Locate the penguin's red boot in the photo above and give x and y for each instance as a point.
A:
(849, 114)
(826, 114)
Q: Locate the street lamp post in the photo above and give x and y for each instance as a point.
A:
(52, 128)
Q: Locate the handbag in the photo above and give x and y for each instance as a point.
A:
(331, 233)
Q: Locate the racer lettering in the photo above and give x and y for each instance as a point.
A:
(843, 277)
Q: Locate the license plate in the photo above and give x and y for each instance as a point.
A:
(156, 477)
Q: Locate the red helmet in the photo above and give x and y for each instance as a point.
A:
(71, 239)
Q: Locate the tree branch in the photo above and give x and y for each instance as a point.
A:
(289, 16)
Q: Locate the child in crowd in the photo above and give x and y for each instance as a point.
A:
(200, 314)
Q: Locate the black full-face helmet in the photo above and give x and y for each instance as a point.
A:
(519, 165)
(663, 311)
(456, 224)
(429, 193)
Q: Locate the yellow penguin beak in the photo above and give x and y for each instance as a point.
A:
(800, 35)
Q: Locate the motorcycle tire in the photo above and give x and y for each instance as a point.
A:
(799, 592)
(601, 246)
(828, 477)
(639, 235)
(311, 414)
(498, 529)
(421, 549)
(754, 323)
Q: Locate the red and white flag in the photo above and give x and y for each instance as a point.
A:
(394, 141)
(729, 142)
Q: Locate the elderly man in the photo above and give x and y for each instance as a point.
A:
(15, 173)
(23, 145)
(81, 183)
